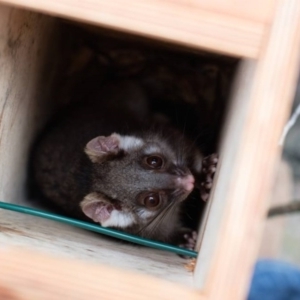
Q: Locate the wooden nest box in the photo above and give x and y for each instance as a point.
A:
(41, 259)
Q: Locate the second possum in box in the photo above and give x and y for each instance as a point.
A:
(106, 159)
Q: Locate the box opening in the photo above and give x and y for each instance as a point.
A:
(44, 58)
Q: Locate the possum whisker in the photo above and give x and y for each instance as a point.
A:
(155, 222)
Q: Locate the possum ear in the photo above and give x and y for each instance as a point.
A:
(99, 148)
(96, 207)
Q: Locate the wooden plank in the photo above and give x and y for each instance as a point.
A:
(27, 44)
(251, 172)
(70, 242)
(172, 21)
(28, 275)
(255, 10)
(233, 132)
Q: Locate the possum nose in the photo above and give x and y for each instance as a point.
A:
(186, 182)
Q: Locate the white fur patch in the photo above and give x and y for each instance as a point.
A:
(145, 213)
(152, 149)
(119, 219)
(130, 142)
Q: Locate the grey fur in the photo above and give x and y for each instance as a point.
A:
(66, 174)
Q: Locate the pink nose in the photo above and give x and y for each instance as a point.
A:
(186, 182)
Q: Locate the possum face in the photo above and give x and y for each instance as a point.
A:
(138, 182)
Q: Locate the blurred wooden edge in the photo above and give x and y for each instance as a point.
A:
(29, 275)
(270, 90)
(226, 31)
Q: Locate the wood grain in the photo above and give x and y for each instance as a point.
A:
(27, 275)
(270, 86)
(255, 10)
(27, 60)
(223, 30)
(67, 241)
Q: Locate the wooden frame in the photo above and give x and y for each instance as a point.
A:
(231, 27)
(260, 104)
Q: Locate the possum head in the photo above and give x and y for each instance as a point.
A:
(139, 182)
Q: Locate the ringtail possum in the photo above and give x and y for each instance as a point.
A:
(108, 160)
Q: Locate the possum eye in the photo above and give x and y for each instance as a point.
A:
(154, 161)
(152, 200)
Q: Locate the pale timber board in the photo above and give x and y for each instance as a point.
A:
(255, 10)
(238, 230)
(179, 22)
(232, 132)
(66, 241)
(29, 275)
(27, 63)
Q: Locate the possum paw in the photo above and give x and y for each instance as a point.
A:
(208, 171)
(189, 240)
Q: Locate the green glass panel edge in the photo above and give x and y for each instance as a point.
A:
(98, 229)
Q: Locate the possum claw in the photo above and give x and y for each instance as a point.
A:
(208, 171)
(189, 241)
